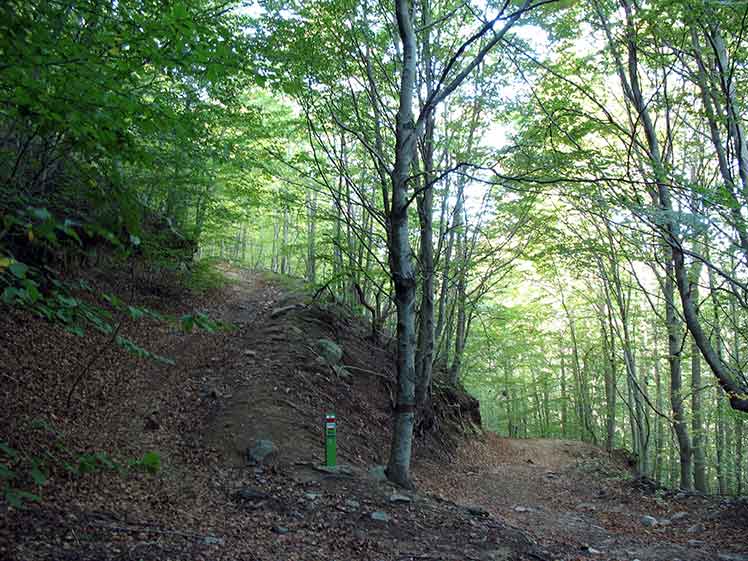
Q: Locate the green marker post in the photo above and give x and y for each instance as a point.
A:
(331, 444)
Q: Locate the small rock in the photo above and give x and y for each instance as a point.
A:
(350, 503)
(678, 516)
(377, 473)
(250, 353)
(280, 311)
(213, 540)
(280, 530)
(696, 529)
(251, 495)
(311, 496)
(551, 475)
(262, 452)
(476, 510)
(648, 521)
(380, 516)
(398, 498)
(522, 509)
(593, 551)
(329, 350)
(696, 543)
(502, 554)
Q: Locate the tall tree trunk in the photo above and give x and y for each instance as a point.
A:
(638, 420)
(285, 263)
(400, 258)
(564, 400)
(425, 352)
(276, 244)
(739, 456)
(719, 445)
(697, 421)
(675, 267)
(510, 427)
(609, 367)
(659, 436)
(442, 332)
(739, 464)
(460, 304)
(676, 382)
(446, 259)
(311, 236)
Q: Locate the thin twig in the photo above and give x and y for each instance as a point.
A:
(150, 530)
(378, 374)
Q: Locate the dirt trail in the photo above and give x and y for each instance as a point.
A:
(499, 500)
(577, 503)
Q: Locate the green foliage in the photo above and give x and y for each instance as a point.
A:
(149, 463)
(204, 277)
(200, 320)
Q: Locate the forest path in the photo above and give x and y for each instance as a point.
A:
(573, 500)
(259, 381)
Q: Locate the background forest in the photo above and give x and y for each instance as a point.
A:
(545, 202)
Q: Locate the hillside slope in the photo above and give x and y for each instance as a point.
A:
(225, 391)
(263, 380)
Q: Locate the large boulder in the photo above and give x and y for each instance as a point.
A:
(262, 452)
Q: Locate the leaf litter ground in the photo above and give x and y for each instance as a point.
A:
(493, 500)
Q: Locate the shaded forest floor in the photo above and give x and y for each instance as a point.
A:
(480, 499)
(576, 502)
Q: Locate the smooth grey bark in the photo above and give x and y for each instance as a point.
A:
(697, 421)
(609, 369)
(400, 258)
(659, 436)
(676, 380)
